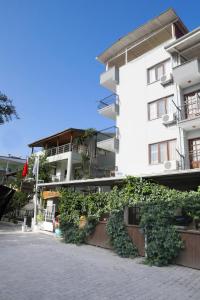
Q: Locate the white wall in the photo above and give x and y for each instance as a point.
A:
(135, 131)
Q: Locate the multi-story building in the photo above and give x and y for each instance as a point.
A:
(154, 76)
(9, 165)
(74, 154)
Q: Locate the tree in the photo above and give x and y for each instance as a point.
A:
(7, 109)
(44, 168)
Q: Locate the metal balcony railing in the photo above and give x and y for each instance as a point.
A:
(194, 156)
(189, 111)
(107, 101)
(63, 149)
(108, 133)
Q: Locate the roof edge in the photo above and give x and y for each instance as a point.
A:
(120, 40)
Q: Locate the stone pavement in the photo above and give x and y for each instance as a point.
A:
(37, 266)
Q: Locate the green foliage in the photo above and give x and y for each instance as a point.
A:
(7, 109)
(75, 235)
(119, 237)
(44, 167)
(18, 201)
(16, 181)
(40, 217)
(73, 205)
(158, 205)
(163, 245)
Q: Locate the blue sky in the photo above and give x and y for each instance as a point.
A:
(47, 60)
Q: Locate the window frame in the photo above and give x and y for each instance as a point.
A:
(157, 105)
(158, 158)
(155, 67)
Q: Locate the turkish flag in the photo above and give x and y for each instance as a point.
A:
(25, 169)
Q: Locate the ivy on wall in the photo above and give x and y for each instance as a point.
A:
(158, 206)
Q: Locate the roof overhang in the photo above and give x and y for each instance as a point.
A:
(188, 45)
(11, 159)
(181, 179)
(62, 137)
(142, 32)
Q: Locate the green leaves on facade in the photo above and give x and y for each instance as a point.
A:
(158, 206)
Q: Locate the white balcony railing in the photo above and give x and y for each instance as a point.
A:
(65, 148)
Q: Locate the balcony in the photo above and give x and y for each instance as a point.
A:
(66, 148)
(187, 74)
(109, 107)
(108, 141)
(110, 79)
(189, 116)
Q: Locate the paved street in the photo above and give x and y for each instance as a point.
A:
(37, 266)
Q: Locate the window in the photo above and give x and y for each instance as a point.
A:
(155, 73)
(134, 215)
(158, 108)
(192, 104)
(160, 152)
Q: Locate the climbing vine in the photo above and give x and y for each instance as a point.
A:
(158, 206)
(119, 237)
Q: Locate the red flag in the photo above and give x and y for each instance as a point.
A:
(25, 169)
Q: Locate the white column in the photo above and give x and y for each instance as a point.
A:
(69, 167)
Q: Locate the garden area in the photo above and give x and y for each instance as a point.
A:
(157, 211)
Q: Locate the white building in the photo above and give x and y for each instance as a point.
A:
(154, 73)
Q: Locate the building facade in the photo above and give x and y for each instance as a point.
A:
(9, 165)
(73, 155)
(154, 75)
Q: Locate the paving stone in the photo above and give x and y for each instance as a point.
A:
(37, 266)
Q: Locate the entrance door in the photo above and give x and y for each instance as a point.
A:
(194, 153)
(192, 104)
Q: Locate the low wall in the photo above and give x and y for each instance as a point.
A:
(100, 237)
(137, 237)
(188, 257)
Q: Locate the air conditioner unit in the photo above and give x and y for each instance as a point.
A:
(168, 119)
(171, 165)
(166, 79)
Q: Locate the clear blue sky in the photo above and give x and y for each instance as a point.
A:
(47, 60)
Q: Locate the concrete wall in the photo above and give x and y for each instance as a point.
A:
(135, 131)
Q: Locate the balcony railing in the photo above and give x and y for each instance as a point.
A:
(63, 149)
(107, 101)
(108, 139)
(189, 115)
(109, 106)
(194, 158)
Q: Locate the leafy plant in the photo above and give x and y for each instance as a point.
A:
(158, 205)
(18, 201)
(119, 237)
(7, 109)
(44, 167)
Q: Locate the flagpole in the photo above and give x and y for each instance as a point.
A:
(36, 187)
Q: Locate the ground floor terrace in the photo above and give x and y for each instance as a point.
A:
(37, 266)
